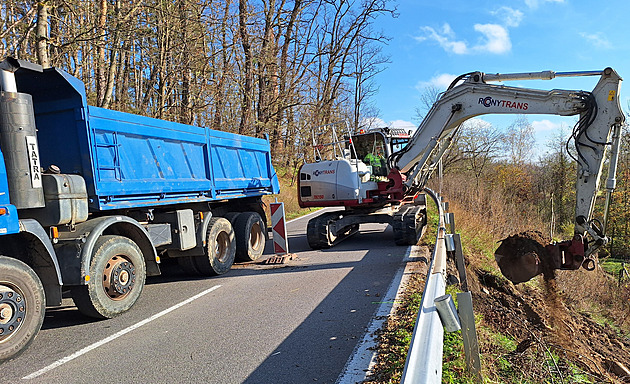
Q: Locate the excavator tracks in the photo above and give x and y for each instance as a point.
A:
(408, 224)
(330, 228)
(322, 233)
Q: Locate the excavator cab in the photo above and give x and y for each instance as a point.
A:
(375, 145)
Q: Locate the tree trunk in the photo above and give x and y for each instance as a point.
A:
(42, 34)
(101, 75)
(248, 71)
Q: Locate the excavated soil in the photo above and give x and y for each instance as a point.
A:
(541, 324)
(541, 318)
(554, 342)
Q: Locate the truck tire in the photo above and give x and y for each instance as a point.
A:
(117, 272)
(219, 252)
(250, 236)
(231, 217)
(188, 265)
(22, 307)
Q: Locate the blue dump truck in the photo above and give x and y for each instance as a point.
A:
(92, 199)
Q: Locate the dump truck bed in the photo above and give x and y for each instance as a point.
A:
(132, 161)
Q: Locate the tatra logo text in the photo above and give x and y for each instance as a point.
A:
(490, 102)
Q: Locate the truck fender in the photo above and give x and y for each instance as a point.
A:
(42, 258)
(93, 230)
(203, 229)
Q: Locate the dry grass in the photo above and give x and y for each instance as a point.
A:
(483, 218)
(486, 208)
(598, 295)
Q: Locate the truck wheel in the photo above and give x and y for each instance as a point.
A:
(22, 307)
(231, 217)
(250, 236)
(220, 249)
(188, 265)
(117, 272)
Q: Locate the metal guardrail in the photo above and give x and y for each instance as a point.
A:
(424, 360)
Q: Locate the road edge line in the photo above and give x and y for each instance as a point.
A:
(356, 369)
(116, 335)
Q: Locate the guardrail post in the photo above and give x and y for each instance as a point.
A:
(469, 334)
(451, 221)
(459, 261)
(466, 314)
(623, 271)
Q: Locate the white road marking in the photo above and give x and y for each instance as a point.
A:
(312, 214)
(364, 356)
(116, 335)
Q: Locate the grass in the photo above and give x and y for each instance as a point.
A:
(433, 220)
(454, 362)
(394, 339)
(614, 266)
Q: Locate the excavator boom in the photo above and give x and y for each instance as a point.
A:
(358, 184)
(598, 130)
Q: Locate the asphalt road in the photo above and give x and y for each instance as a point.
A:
(294, 323)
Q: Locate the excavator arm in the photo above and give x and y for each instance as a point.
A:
(598, 130)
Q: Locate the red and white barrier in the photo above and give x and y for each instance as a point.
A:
(279, 229)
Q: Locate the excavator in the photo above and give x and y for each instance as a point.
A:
(378, 175)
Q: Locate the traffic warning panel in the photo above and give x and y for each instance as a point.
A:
(279, 229)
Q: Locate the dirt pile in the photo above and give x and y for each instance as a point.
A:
(553, 340)
(550, 337)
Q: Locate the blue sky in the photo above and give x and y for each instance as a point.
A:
(434, 41)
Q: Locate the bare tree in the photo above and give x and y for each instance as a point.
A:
(247, 117)
(519, 141)
(429, 96)
(477, 145)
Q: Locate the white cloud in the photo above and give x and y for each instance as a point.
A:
(497, 39)
(509, 16)
(477, 124)
(372, 122)
(440, 82)
(407, 125)
(444, 38)
(377, 122)
(533, 4)
(597, 39)
(545, 126)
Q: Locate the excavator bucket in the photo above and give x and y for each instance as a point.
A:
(522, 257)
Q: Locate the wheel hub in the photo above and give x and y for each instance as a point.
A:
(119, 277)
(256, 236)
(221, 247)
(12, 310)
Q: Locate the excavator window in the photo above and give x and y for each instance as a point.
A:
(399, 143)
(371, 148)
